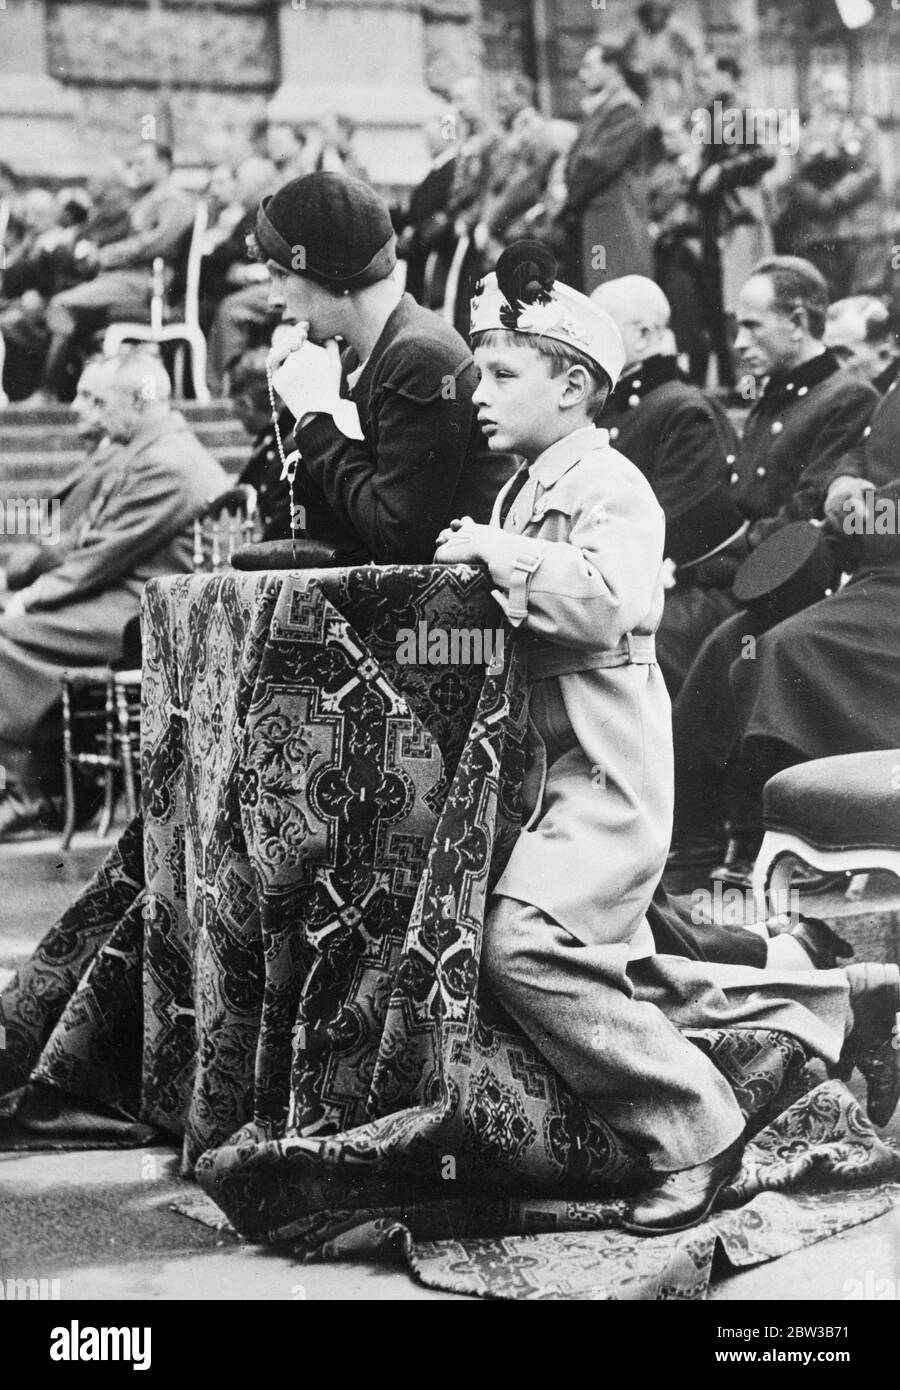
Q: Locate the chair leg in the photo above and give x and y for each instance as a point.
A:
(68, 774)
(109, 797)
(126, 752)
(198, 366)
(178, 372)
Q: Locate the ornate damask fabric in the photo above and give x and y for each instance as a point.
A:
(279, 967)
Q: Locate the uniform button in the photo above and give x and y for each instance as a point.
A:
(777, 427)
(867, 431)
(760, 472)
(270, 454)
(735, 477)
(637, 386)
(633, 401)
(790, 386)
(614, 432)
(729, 458)
(803, 390)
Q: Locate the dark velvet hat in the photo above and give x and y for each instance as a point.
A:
(330, 227)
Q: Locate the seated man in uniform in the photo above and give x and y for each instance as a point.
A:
(822, 682)
(680, 440)
(858, 331)
(575, 549)
(808, 414)
(156, 478)
(389, 447)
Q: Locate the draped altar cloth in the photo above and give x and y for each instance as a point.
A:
(278, 965)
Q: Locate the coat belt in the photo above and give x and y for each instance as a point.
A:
(548, 661)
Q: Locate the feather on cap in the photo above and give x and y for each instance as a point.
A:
(524, 296)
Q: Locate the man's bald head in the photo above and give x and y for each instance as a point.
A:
(859, 332)
(641, 312)
(91, 396)
(139, 394)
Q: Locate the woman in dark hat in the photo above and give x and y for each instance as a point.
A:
(377, 482)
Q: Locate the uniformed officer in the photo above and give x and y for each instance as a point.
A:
(808, 414)
(680, 440)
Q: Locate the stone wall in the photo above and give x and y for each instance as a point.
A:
(79, 77)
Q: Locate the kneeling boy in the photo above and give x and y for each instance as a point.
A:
(575, 548)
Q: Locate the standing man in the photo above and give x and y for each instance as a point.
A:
(680, 441)
(158, 478)
(520, 168)
(733, 236)
(835, 198)
(605, 212)
(478, 138)
(425, 238)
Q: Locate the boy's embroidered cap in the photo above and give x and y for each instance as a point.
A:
(524, 296)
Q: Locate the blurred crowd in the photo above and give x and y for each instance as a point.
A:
(649, 180)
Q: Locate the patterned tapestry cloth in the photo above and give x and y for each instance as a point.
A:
(279, 966)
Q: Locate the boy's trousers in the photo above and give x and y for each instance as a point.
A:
(610, 1028)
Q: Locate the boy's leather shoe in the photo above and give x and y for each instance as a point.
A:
(682, 1199)
(873, 1043)
(824, 947)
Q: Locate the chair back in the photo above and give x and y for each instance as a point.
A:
(192, 274)
(216, 538)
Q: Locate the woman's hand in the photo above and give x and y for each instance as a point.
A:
(286, 339)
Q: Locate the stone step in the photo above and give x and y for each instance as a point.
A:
(62, 415)
(20, 466)
(41, 439)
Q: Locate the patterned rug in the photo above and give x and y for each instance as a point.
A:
(279, 966)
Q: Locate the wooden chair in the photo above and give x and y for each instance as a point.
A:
(101, 707)
(217, 537)
(101, 723)
(187, 332)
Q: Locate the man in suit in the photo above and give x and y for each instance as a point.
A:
(74, 492)
(389, 446)
(808, 415)
(135, 528)
(679, 439)
(605, 212)
(159, 221)
(521, 164)
(425, 231)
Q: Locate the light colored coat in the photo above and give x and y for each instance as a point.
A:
(590, 583)
(135, 528)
